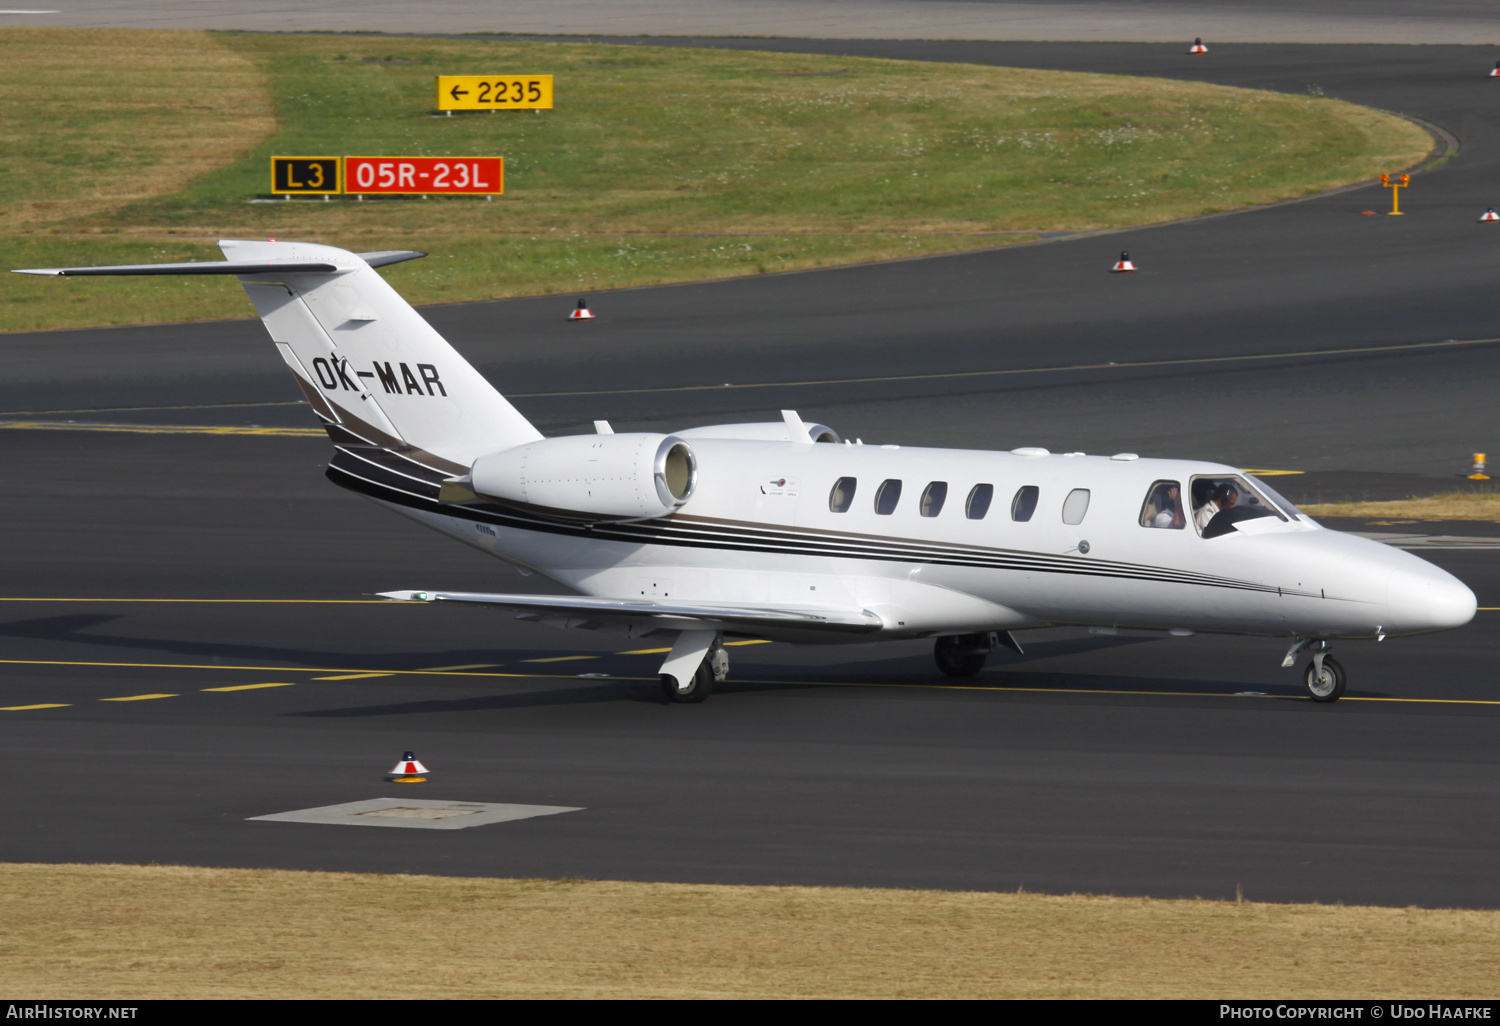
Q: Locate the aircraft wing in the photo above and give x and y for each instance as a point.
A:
(667, 615)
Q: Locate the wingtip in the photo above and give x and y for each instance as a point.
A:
(37, 270)
(405, 596)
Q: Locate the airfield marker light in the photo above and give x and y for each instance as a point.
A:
(1395, 185)
(1123, 265)
(581, 312)
(1479, 474)
(408, 771)
(1496, 72)
(1489, 215)
(1197, 47)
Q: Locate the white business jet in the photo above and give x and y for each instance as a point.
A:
(783, 531)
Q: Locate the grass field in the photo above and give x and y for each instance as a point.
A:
(657, 165)
(1448, 506)
(175, 932)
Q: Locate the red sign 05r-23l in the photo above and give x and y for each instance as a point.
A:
(424, 175)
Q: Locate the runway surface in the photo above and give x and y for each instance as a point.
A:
(1127, 764)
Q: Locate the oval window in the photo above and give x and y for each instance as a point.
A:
(886, 497)
(842, 496)
(978, 502)
(1024, 504)
(1075, 506)
(933, 497)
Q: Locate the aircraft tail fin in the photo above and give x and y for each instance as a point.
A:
(370, 366)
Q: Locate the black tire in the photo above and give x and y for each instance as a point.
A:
(961, 655)
(698, 689)
(1330, 685)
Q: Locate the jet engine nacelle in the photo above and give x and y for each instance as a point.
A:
(609, 477)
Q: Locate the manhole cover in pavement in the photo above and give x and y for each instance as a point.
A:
(417, 812)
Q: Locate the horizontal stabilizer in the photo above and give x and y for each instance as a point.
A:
(195, 267)
(389, 256)
(727, 615)
(377, 259)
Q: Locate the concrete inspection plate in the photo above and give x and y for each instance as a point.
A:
(423, 814)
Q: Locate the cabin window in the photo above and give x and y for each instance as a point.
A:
(1220, 502)
(1024, 504)
(978, 502)
(886, 497)
(933, 497)
(1163, 506)
(842, 496)
(1075, 506)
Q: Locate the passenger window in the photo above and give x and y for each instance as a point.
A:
(886, 497)
(1075, 506)
(842, 496)
(1163, 506)
(1024, 504)
(933, 497)
(978, 502)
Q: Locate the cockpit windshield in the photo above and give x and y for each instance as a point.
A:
(1221, 502)
(1277, 498)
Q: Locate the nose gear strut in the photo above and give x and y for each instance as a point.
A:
(1324, 676)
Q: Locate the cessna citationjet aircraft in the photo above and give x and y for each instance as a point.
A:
(784, 531)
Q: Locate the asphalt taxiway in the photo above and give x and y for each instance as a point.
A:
(1302, 337)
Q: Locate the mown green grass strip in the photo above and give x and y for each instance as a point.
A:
(666, 164)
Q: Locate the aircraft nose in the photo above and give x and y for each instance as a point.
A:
(1428, 598)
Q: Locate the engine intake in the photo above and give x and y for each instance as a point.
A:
(605, 477)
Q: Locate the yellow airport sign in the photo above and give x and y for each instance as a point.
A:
(494, 92)
(306, 176)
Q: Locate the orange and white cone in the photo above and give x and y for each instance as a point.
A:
(1198, 47)
(408, 771)
(1496, 72)
(1489, 215)
(581, 313)
(1123, 265)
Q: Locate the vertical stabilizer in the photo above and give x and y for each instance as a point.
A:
(369, 362)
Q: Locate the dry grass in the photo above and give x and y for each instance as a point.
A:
(174, 932)
(91, 120)
(1448, 506)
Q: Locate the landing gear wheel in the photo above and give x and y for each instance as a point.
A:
(1328, 685)
(961, 655)
(695, 690)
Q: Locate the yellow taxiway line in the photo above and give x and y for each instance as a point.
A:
(801, 683)
(162, 429)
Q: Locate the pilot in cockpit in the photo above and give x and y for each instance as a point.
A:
(1224, 497)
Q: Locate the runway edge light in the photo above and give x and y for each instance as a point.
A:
(1489, 215)
(581, 312)
(1198, 46)
(408, 771)
(1496, 72)
(1123, 265)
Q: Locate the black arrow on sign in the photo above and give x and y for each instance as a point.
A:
(456, 92)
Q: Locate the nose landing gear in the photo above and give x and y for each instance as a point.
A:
(1324, 676)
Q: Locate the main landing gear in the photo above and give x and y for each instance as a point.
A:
(698, 659)
(963, 655)
(1324, 676)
